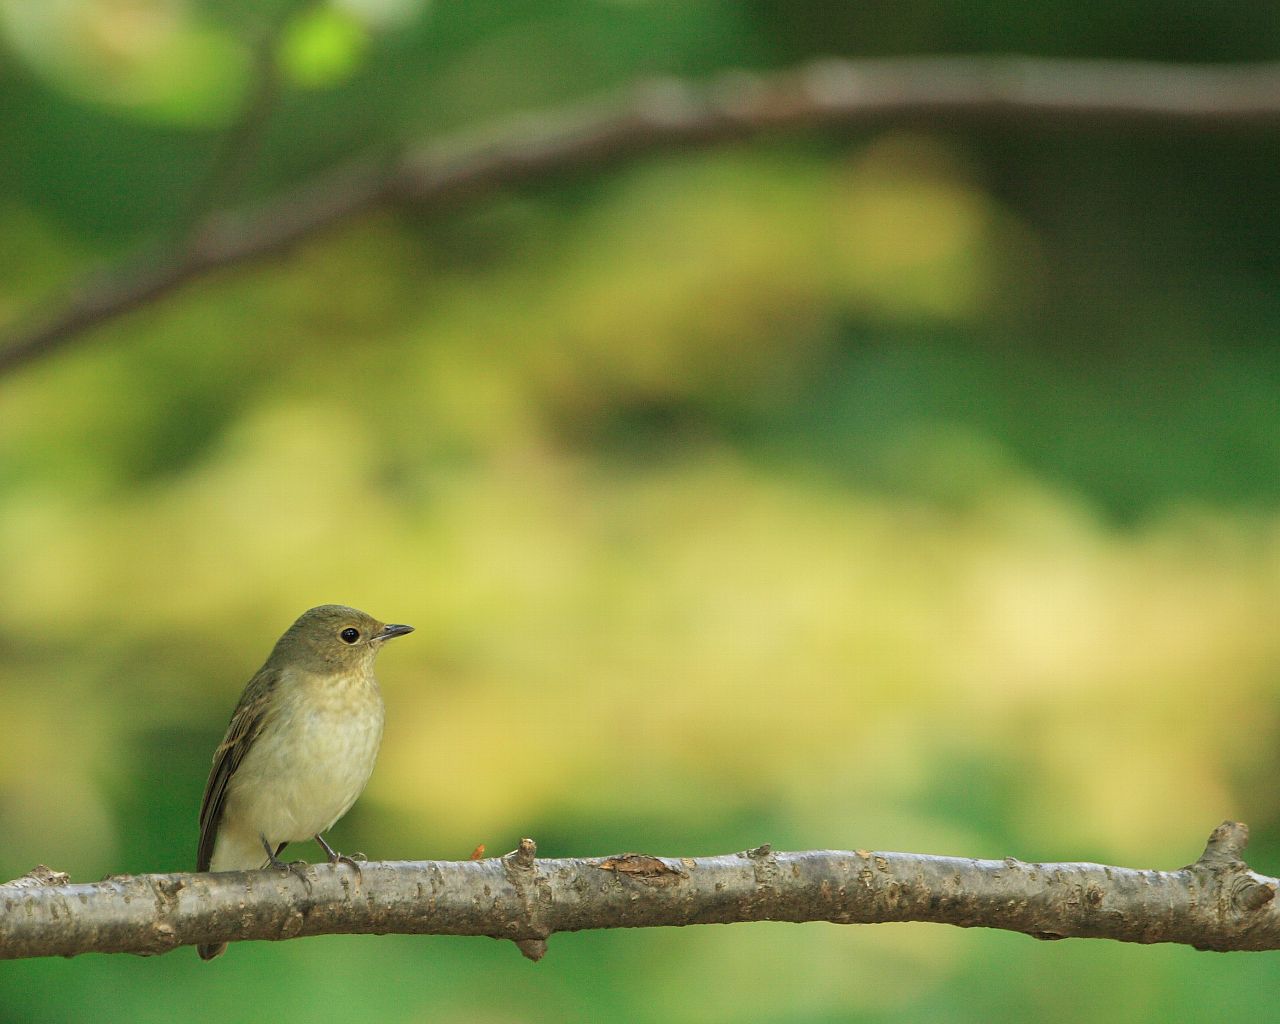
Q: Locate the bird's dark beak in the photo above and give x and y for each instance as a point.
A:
(389, 631)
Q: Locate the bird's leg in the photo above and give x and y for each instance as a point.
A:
(298, 868)
(335, 857)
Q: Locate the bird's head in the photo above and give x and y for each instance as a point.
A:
(333, 636)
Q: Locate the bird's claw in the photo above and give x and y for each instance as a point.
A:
(297, 868)
(351, 862)
(336, 858)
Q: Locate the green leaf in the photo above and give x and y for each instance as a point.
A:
(322, 48)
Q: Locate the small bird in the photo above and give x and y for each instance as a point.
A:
(300, 746)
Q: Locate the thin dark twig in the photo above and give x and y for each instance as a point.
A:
(833, 95)
(238, 147)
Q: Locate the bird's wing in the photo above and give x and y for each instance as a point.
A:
(246, 724)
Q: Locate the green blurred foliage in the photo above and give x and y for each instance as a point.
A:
(322, 47)
(915, 490)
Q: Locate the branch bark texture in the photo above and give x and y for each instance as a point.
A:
(1217, 903)
(832, 95)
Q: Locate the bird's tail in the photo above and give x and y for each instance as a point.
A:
(232, 851)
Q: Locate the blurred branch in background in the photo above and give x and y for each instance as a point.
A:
(664, 114)
(1217, 903)
(239, 146)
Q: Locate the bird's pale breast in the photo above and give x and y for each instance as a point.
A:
(310, 761)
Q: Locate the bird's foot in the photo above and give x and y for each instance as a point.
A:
(351, 862)
(297, 868)
(341, 858)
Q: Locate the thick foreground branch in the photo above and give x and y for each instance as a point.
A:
(671, 114)
(1217, 903)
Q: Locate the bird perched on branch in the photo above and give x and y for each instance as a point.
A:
(300, 746)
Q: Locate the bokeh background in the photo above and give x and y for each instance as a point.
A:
(915, 489)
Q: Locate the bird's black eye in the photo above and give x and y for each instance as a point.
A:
(349, 635)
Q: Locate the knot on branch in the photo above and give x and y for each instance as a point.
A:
(530, 933)
(1248, 894)
(1242, 892)
(521, 859)
(1225, 848)
(39, 877)
(764, 868)
(532, 949)
(643, 868)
